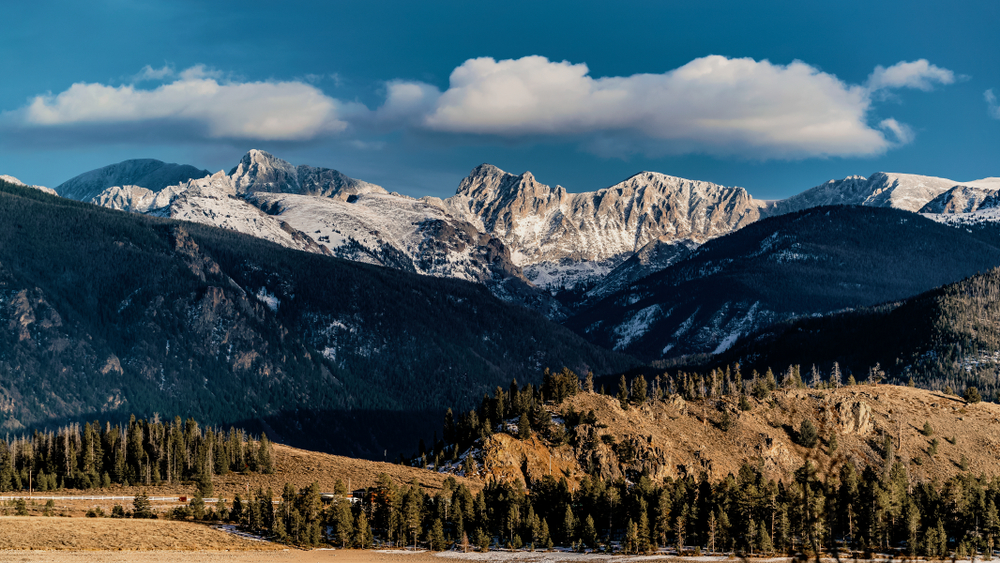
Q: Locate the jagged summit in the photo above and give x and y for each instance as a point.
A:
(260, 171)
(550, 231)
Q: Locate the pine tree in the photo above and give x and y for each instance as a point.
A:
(198, 506)
(808, 435)
(623, 393)
(589, 532)
(524, 427)
(265, 456)
(643, 527)
(569, 526)
(631, 537)
(639, 389)
(663, 516)
(435, 537)
(141, 507)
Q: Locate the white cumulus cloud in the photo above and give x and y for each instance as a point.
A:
(714, 105)
(198, 101)
(917, 74)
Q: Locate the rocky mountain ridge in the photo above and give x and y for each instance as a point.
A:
(324, 211)
(677, 438)
(562, 238)
(154, 175)
(810, 262)
(16, 182)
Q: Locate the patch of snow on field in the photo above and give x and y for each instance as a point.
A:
(233, 530)
(565, 555)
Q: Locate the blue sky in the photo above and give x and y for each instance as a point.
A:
(773, 96)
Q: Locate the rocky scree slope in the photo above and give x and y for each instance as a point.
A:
(109, 313)
(674, 438)
(811, 262)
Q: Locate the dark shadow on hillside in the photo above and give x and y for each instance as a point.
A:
(377, 435)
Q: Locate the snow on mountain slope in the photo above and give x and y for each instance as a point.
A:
(881, 189)
(148, 173)
(259, 171)
(13, 180)
(387, 228)
(653, 257)
(960, 199)
(343, 217)
(211, 200)
(562, 239)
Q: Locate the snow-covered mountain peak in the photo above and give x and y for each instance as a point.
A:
(13, 180)
(551, 232)
(259, 171)
(882, 189)
(147, 173)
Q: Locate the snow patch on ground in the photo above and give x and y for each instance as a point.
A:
(636, 326)
(268, 299)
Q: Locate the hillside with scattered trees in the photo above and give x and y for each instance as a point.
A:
(105, 313)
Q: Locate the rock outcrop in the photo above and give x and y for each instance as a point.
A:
(549, 229)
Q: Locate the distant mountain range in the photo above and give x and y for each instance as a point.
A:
(528, 242)
(946, 337)
(811, 262)
(109, 313)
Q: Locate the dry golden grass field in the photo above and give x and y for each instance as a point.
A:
(292, 465)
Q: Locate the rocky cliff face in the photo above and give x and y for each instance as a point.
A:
(550, 230)
(676, 438)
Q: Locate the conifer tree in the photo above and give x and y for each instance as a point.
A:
(623, 393)
(835, 378)
(589, 532)
(524, 427)
(639, 389)
(141, 507)
(435, 537)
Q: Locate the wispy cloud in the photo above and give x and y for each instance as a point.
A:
(991, 104)
(148, 73)
(918, 74)
(713, 105)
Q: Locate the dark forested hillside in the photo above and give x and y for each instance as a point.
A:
(947, 337)
(105, 313)
(811, 262)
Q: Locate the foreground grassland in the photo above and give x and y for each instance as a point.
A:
(34, 533)
(204, 556)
